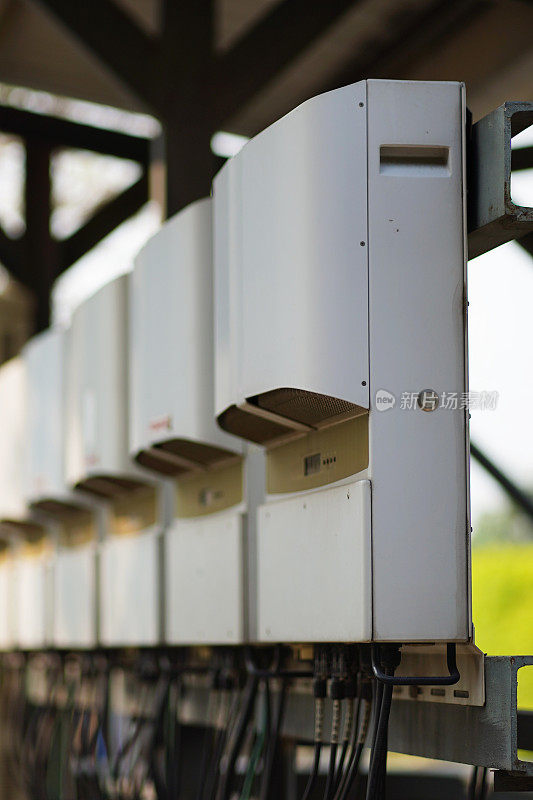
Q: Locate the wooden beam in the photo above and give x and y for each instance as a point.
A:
(172, 74)
(187, 36)
(260, 55)
(12, 253)
(187, 50)
(58, 132)
(41, 252)
(415, 32)
(107, 30)
(108, 217)
(190, 163)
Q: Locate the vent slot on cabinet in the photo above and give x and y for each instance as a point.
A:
(159, 462)
(308, 408)
(30, 532)
(58, 509)
(248, 426)
(286, 413)
(178, 457)
(197, 453)
(109, 486)
(414, 160)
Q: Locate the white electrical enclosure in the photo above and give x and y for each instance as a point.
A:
(23, 570)
(97, 461)
(13, 439)
(340, 299)
(346, 554)
(32, 579)
(97, 454)
(74, 585)
(129, 589)
(44, 358)
(74, 596)
(26, 568)
(174, 431)
(7, 591)
(204, 597)
(171, 348)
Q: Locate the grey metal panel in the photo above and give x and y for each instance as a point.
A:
(418, 460)
(485, 736)
(493, 217)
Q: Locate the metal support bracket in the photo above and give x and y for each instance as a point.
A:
(469, 690)
(485, 736)
(493, 218)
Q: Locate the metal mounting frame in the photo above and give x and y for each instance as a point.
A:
(485, 736)
(493, 218)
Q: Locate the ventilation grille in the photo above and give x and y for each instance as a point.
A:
(177, 457)
(285, 412)
(203, 455)
(250, 427)
(158, 463)
(109, 486)
(28, 531)
(58, 508)
(309, 408)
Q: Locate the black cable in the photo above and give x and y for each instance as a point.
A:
(340, 766)
(319, 692)
(350, 692)
(93, 784)
(379, 744)
(378, 764)
(209, 784)
(222, 736)
(274, 671)
(273, 745)
(337, 695)
(370, 706)
(354, 773)
(250, 694)
(364, 708)
(349, 759)
(314, 771)
(416, 680)
(209, 741)
(175, 764)
(157, 739)
(330, 780)
(339, 775)
(141, 722)
(214, 768)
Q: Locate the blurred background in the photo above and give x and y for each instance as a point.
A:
(117, 113)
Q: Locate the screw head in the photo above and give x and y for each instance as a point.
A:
(428, 400)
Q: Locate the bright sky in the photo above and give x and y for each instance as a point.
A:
(500, 291)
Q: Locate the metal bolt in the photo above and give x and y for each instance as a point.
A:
(428, 400)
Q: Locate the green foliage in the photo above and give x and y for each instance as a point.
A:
(502, 588)
(507, 525)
